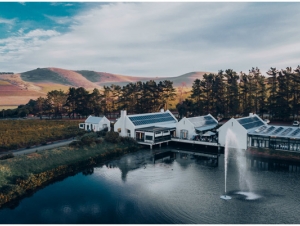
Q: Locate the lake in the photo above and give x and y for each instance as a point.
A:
(177, 188)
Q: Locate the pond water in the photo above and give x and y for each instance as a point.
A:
(178, 188)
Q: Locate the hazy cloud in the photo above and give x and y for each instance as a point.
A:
(164, 39)
(60, 20)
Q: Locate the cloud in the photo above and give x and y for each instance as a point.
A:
(165, 39)
(14, 48)
(7, 21)
(60, 20)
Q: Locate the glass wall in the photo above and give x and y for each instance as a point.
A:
(289, 144)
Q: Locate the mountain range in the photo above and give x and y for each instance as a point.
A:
(16, 89)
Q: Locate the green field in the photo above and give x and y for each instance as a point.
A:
(16, 134)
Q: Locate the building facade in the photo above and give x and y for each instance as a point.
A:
(188, 128)
(93, 123)
(148, 127)
(240, 128)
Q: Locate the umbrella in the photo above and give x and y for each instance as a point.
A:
(208, 133)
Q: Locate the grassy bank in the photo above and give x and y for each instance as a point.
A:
(274, 154)
(21, 174)
(16, 134)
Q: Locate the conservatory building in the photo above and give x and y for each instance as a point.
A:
(275, 137)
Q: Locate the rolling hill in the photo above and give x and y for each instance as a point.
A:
(16, 89)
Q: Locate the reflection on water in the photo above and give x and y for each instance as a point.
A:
(165, 186)
(273, 165)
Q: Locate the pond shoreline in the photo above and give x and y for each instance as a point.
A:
(273, 154)
(25, 185)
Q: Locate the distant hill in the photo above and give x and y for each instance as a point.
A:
(16, 89)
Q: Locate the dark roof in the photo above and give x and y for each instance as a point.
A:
(151, 118)
(155, 129)
(250, 122)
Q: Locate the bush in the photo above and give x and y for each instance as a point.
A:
(111, 137)
(101, 133)
(126, 140)
(98, 141)
(88, 138)
(7, 156)
(76, 144)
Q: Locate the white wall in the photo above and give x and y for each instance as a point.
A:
(104, 121)
(184, 123)
(239, 131)
(124, 124)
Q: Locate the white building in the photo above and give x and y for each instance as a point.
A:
(240, 128)
(188, 128)
(148, 127)
(275, 137)
(93, 123)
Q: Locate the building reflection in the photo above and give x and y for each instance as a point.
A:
(273, 165)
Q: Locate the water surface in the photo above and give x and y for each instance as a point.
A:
(179, 188)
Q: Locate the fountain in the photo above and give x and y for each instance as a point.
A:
(231, 145)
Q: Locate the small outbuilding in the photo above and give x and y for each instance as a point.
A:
(188, 128)
(93, 123)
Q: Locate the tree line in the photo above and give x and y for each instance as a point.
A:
(139, 97)
(230, 94)
(225, 94)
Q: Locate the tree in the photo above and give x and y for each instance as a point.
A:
(197, 95)
(272, 80)
(232, 91)
(56, 99)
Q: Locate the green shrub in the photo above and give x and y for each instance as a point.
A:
(7, 156)
(126, 140)
(111, 137)
(88, 138)
(98, 141)
(101, 133)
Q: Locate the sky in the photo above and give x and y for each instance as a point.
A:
(149, 39)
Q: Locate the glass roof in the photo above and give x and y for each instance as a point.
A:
(285, 132)
(153, 118)
(280, 131)
(260, 129)
(269, 129)
(202, 121)
(295, 132)
(250, 122)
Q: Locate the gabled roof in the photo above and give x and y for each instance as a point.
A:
(202, 123)
(151, 118)
(93, 119)
(277, 131)
(251, 122)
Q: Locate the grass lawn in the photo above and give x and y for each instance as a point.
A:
(28, 172)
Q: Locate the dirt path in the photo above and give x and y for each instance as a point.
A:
(52, 145)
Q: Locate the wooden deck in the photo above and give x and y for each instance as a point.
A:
(215, 144)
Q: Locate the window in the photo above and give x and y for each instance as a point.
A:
(149, 137)
(183, 134)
